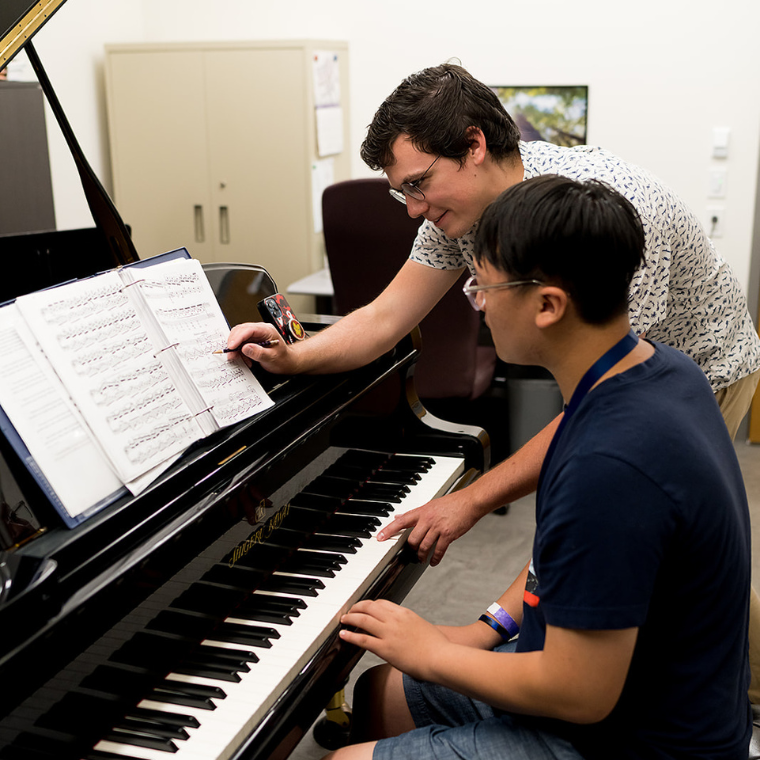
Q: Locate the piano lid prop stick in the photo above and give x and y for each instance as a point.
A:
(263, 344)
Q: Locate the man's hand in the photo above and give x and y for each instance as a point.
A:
(437, 523)
(398, 635)
(278, 358)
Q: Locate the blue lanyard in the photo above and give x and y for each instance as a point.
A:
(602, 365)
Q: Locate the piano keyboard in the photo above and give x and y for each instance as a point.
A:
(253, 644)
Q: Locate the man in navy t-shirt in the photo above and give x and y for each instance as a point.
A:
(633, 612)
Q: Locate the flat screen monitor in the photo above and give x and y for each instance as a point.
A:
(555, 114)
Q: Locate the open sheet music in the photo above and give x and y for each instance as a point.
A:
(107, 380)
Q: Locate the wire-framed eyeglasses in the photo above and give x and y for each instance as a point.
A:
(471, 289)
(411, 188)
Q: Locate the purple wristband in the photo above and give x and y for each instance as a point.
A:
(505, 619)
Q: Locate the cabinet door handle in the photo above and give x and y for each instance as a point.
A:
(200, 233)
(224, 225)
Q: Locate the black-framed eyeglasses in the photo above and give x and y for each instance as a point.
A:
(471, 289)
(411, 188)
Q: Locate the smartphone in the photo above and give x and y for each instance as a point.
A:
(276, 310)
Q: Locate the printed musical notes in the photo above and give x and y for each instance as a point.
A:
(129, 357)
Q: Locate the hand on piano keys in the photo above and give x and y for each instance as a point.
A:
(435, 525)
(238, 637)
(397, 635)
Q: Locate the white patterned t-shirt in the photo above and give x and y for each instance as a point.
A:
(685, 295)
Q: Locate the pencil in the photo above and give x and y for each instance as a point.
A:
(262, 343)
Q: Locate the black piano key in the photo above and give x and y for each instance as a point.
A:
(181, 698)
(355, 526)
(311, 563)
(258, 616)
(191, 689)
(236, 633)
(155, 652)
(287, 604)
(367, 507)
(404, 477)
(141, 740)
(153, 728)
(132, 684)
(342, 506)
(202, 627)
(383, 492)
(295, 538)
(381, 474)
(333, 543)
(99, 754)
(209, 670)
(362, 526)
(286, 584)
(163, 718)
(409, 462)
(334, 556)
(222, 655)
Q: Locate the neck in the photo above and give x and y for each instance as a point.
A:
(505, 173)
(578, 350)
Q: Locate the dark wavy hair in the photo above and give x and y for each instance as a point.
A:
(437, 107)
(581, 236)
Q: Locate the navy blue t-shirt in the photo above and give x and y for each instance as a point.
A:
(642, 521)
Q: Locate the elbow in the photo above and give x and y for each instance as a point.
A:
(586, 712)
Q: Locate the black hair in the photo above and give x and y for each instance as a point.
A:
(581, 236)
(437, 108)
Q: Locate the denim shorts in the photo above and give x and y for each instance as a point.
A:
(454, 727)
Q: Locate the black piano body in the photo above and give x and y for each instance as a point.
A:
(74, 601)
(64, 590)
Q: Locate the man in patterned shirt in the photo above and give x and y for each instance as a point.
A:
(449, 149)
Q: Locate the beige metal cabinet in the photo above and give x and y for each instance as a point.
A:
(213, 148)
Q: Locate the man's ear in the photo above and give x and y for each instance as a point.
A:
(552, 306)
(478, 147)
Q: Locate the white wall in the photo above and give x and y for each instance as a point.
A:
(662, 73)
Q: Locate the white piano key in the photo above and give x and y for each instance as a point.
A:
(222, 730)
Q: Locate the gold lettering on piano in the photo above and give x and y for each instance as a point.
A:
(259, 536)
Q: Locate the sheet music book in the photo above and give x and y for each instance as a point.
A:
(107, 380)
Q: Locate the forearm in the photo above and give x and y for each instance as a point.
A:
(579, 680)
(480, 635)
(515, 682)
(514, 477)
(351, 342)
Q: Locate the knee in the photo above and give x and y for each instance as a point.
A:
(379, 705)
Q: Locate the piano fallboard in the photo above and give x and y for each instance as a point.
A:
(100, 584)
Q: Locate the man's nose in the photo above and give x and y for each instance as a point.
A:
(415, 207)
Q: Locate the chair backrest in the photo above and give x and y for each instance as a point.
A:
(368, 237)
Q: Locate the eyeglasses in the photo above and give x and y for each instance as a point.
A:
(471, 289)
(411, 188)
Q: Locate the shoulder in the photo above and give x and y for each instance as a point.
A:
(435, 249)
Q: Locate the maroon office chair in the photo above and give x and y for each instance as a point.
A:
(368, 237)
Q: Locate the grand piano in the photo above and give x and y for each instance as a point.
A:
(200, 619)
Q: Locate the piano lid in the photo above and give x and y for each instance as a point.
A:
(19, 22)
